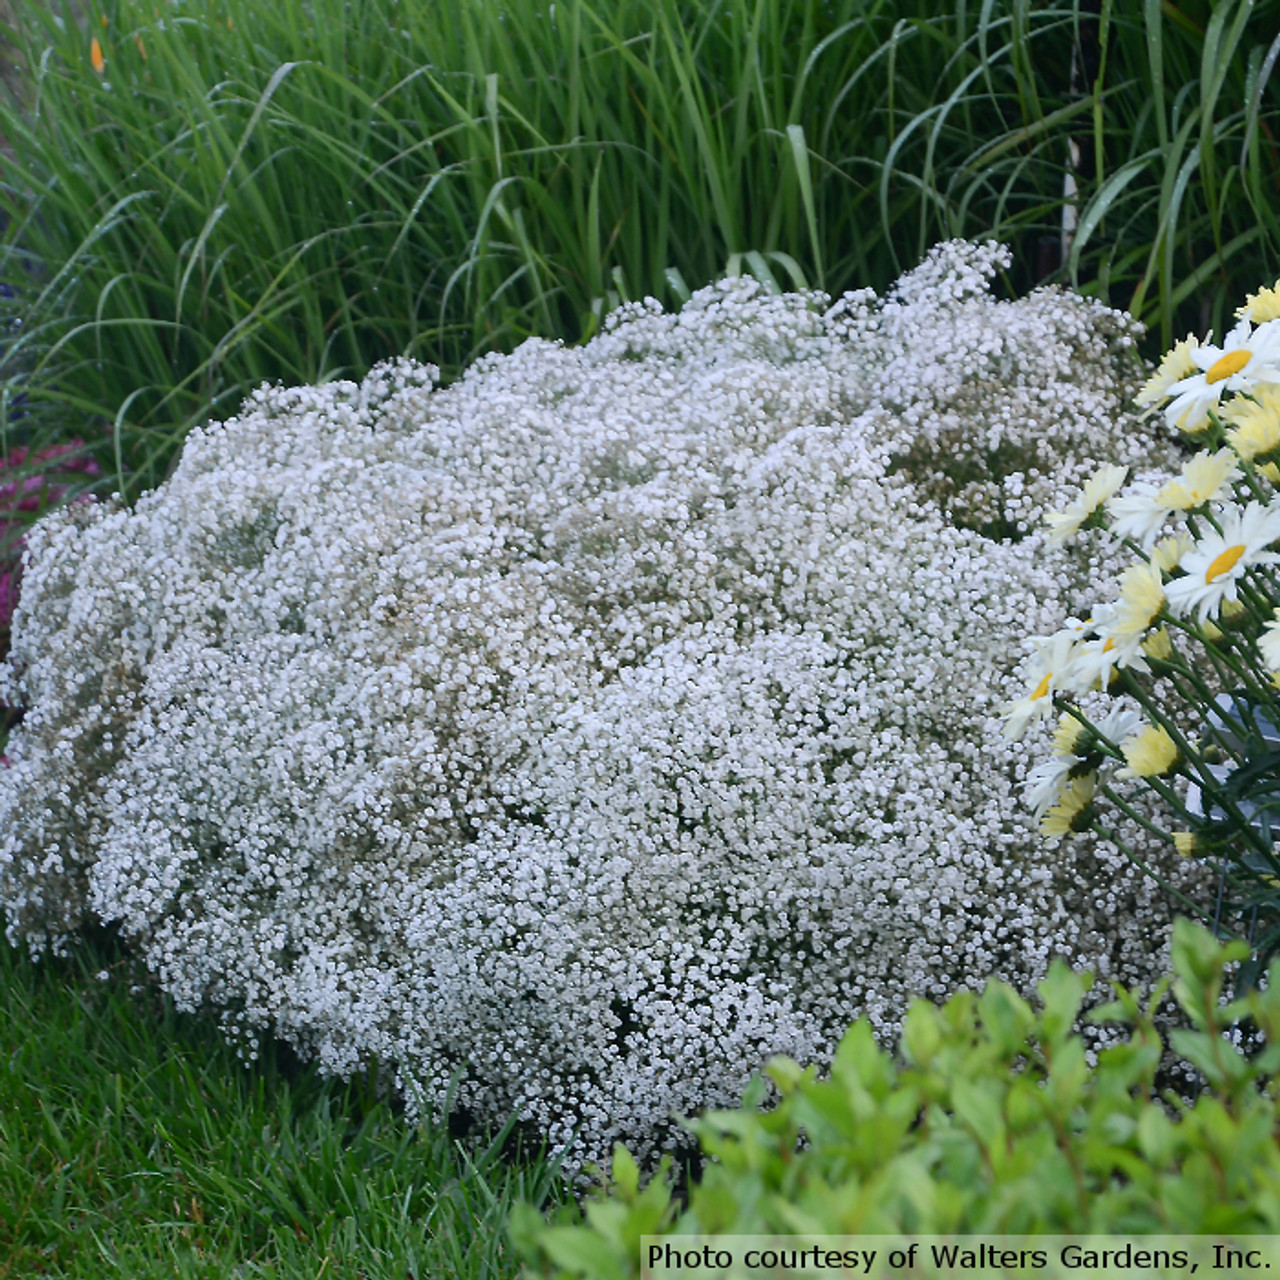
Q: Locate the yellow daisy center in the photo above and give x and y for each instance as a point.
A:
(1231, 363)
(1225, 562)
(1042, 688)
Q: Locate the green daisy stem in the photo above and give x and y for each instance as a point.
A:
(1137, 548)
(1145, 867)
(1225, 664)
(1208, 784)
(1252, 483)
(1209, 516)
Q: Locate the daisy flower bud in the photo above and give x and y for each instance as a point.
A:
(1234, 614)
(1097, 489)
(1073, 809)
(1148, 753)
(1157, 646)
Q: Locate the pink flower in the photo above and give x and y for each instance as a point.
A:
(31, 494)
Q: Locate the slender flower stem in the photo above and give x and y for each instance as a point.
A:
(1207, 782)
(1113, 837)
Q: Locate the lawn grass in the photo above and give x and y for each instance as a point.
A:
(134, 1143)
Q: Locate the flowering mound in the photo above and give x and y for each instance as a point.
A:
(599, 725)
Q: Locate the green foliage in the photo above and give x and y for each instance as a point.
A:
(989, 1120)
(294, 191)
(132, 1143)
(1171, 109)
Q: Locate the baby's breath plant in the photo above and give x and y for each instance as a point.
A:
(598, 725)
(1168, 691)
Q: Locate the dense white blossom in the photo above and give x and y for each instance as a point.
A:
(601, 724)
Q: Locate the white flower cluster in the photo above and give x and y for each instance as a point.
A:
(599, 725)
(1158, 642)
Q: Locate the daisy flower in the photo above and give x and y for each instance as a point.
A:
(1077, 739)
(1148, 753)
(1203, 479)
(1219, 560)
(1139, 513)
(1074, 801)
(1047, 782)
(1073, 742)
(1050, 670)
(1111, 646)
(1168, 552)
(1158, 645)
(1255, 430)
(1097, 489)
(1176, 365)
(1121, 722)
(1141, 599)
(1068, 736)
(1261, 306)
(1246, 358)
